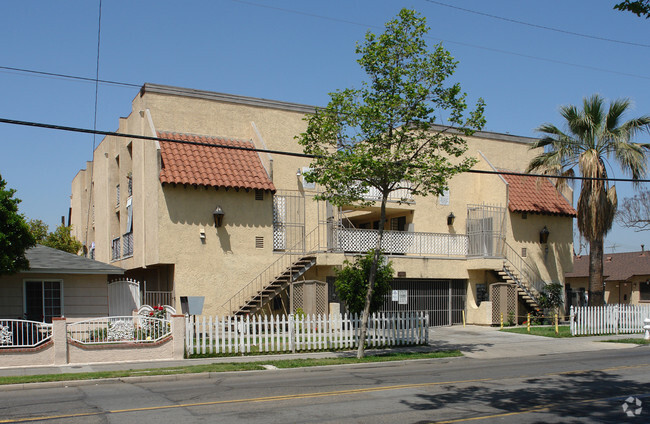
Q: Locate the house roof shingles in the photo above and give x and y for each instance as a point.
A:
(43, 259)
(184, 163)
(536, 195)
(617, 266)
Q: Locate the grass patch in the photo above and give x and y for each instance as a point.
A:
(629, 340)
(224, 367)
(255, 351)
(564, 331)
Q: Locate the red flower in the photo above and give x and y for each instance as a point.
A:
(150, 314)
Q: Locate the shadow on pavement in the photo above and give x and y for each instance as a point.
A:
(569, 398)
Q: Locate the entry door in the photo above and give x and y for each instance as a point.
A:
(43, 300)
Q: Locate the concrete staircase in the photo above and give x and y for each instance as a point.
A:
(274, 287)
(525, 291)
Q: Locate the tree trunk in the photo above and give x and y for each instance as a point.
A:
(371, 280)
(596, 295)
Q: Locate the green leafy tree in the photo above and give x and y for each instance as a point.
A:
(62, 239)
(551, 297)
(352, 282)
(39, 230)
(15, 237)
(638, 7)
(385, 135)
(593, 135)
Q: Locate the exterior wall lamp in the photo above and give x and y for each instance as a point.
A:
(543, 235)
(450, 218)
(218, 216)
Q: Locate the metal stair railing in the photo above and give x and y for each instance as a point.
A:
(532, 279)
(309, 244)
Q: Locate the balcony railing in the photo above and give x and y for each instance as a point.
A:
(402, 242)
(127, 245)
(403, 195)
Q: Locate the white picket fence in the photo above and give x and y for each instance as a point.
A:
(239, 334)
(608, 319)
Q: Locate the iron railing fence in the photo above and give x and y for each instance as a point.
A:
(15, 333)
(122, 329)
(127, 245)
(155, 298)
(309, 244)
(530, 276)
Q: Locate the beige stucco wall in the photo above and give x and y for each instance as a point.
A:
(167, 220)
(83, 295)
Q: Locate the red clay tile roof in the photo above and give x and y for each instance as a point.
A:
(536, 195)
(211, 166)
(617, 266)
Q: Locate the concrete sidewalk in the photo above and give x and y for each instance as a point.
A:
(490, 343)
(473, 341)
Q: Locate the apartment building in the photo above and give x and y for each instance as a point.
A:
(193, 211)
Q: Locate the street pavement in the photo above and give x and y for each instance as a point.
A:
(474, 342)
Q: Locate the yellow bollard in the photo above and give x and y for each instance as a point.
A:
(501, 319)
(557, 329)
(463, 319)
(528, 322)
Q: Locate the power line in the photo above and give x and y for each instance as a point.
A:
(277, 152)
(547, 28)
(460, 43)
(67, 76)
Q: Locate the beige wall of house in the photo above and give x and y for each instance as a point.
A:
(84, 296)
(168, 220)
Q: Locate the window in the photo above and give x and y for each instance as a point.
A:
(115, 249)
(481, 293)
(398, 224)
(644, 289)
(43, 300)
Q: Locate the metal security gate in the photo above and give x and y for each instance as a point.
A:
(443, 300)
(486, 230)
(288, 221)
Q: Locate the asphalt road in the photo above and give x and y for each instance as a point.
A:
(581, 387)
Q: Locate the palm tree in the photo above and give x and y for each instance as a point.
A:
(594, 135)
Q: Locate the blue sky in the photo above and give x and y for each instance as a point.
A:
(296, 51)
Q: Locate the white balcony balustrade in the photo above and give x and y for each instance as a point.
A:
(402, 242)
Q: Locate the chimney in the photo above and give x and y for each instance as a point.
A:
(643, 248)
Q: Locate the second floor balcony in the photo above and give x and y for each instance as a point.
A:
(356, 240)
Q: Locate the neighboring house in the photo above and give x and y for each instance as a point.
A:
(626, 275)
(57, 284)
(236, 226)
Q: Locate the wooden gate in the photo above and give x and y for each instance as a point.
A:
(310, 296)
(123, 297)
(504, 302)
